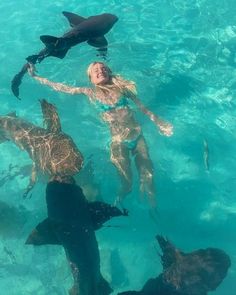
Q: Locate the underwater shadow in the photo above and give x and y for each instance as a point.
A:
(176, 87)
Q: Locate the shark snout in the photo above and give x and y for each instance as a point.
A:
(110, 18)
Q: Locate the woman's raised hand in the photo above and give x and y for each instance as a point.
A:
(166, 128)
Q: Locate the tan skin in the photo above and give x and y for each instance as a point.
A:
(123, 127)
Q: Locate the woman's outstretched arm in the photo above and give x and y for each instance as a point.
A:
(60, 87)
(165, 127)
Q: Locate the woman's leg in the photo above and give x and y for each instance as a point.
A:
(145, 169)
(120, 158)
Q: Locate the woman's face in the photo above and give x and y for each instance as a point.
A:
(99, 74)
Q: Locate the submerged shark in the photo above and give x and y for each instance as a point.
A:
(194, 273)
(90, 30)
(72, 222)
(53, 152)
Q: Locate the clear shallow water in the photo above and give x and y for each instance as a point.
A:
(182, 56)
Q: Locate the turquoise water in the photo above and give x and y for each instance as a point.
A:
(181, 54)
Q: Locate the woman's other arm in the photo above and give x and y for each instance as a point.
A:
(60, 87)
(165, 127)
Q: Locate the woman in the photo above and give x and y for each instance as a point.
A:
(111, 94)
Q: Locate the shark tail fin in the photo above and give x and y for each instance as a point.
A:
(16, 81)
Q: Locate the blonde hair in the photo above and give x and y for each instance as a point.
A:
(120, 83)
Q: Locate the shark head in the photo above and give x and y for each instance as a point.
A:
(111, 19)
(97, 25)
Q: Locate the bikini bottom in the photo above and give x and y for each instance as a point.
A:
(132, 143)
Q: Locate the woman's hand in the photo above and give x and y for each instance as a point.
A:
(166, 128)
(31, 70)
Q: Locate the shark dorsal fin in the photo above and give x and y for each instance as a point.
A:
(50, 115)
(73, 18)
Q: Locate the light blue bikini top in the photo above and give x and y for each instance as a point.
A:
(121, 103)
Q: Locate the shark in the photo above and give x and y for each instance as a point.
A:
(194, 273)
(71, 223)
(90, 30)
(53, 152)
